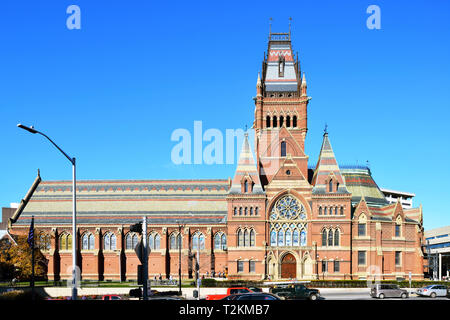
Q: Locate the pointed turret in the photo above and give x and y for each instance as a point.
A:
(246, 171)
(259, 86)
(327, 170)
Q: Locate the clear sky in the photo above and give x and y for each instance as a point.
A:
(112, 93)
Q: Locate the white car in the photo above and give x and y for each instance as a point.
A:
(433, 291)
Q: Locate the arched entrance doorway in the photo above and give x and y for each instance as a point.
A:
(288, 267)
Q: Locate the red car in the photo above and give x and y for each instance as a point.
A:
(111, 297)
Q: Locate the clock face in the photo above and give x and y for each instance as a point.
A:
(287, 208)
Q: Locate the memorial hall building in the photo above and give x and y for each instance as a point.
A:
(278, 217)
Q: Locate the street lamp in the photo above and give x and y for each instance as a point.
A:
(179, 255)
(74, 207)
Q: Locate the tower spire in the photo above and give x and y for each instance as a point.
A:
(290, 20)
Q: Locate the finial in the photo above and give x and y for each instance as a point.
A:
(270, 26)
(258, 83)
(303, 80)
(290, 20)
(325, 130)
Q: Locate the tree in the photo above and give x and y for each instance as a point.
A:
(15, 260)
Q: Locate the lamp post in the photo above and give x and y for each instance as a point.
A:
(74, 206)
(179, 256)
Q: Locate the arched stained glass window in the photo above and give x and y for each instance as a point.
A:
(324, 237)
(288, 238)
(224, 241)
(157, 242)
(281, 238)
(173, 241)
(151, 241)
(295, 238)
(217, 241)
(273, 238)
(303, 237)
(195, 242)
(63, 242)
(107, 242)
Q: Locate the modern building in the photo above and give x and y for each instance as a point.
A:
(406, 198)
(275, 218)
(437, 244)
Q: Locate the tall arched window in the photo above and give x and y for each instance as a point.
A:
(335, 211)
(342, 211)
(252, 238)
(245, 186)
(87, 241)
(325, 211)
(274, 124)
(324, 238)
(63, 243)
(294, 121)
(273, 238)
(173, 241)
(151, 240)
(240, 237)
(283, 148)
(288, 238)
(195, 241)
(246, 210)
(295, 237)
(224, 241)
(303, 237)
(129, 241)
(256, 211)
(235, 210)
(240, 211)
(246, 239)
(281, 238)
(281, 121)
(330, 186)
(44, 241)
(336, 237)
(109, 241)
(251, 211)
(330, 237)
(268, 122)
(288, 121)
(157, 242)
(320, 211)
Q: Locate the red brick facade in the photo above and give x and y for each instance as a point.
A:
(278, 218)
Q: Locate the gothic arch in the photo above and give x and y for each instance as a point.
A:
(293, 193)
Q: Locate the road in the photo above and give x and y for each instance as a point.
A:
(349, 295)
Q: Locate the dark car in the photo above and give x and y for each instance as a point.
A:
(252, 296)
(295, 291)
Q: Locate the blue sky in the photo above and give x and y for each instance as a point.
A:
(112, 93)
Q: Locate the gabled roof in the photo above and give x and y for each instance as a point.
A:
(326, 167)
(245, 169)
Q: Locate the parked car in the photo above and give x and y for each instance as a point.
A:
(433, 291)
(111, 297)
(295, 291)
(382, 291)
(253, 296)
(233, 290)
